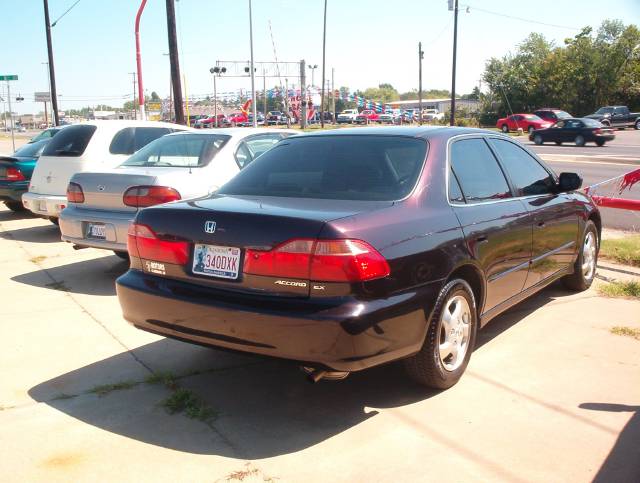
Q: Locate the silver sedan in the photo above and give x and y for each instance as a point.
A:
(177, 166)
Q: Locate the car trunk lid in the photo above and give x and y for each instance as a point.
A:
(105, 191)
(242, 223)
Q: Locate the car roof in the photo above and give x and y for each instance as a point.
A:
(425, 132)
(235, 131)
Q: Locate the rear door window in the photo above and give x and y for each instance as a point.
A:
(251, 148)
(478, 172)
(341, 167)
(130, 139)
(70, 141)
(528, 176)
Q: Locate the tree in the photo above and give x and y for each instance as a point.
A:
(155, 96)
(590, 70)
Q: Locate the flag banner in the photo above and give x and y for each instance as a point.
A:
(621, 192)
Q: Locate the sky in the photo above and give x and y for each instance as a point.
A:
(368, 41)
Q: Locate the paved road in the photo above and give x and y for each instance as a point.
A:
(626, 145)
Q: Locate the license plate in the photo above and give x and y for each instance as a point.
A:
(96, 231)
(216, 261)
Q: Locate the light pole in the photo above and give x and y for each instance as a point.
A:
(143, 114)
(420, 57)
(133, 74)
(216, 71)
(324, 49)
(313, 71)
(46, 117)
(452, 118)
(253, 72)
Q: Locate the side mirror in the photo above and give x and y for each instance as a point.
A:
(569, 182)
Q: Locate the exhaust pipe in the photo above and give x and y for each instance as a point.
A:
(316, 375)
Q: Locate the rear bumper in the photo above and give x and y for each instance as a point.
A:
(74, 226)
(13, 190)
(343, 334)
(44, 205)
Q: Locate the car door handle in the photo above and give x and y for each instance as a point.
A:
(482, 239)
(541, 224)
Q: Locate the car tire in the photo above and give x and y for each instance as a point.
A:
(505, 128)
(558, 143)
(538, 139)
(584, 268)
(54, 220)
(637, 124)
(122, 255)
(428, 367)
(14, 206)
(605, 123)
(600, 142)
(530, 129)
(579, 140)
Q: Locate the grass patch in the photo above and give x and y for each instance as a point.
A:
(104, 389)
(622, 250)
(38, 259)
(621, 289)
(166, 378)
(626, 331)
(58, 286)
(187, 402)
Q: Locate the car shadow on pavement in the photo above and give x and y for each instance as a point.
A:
(264, 407)
(16, 215)
(91, 277)
(34, 234)
(515, 314)
(623, 461)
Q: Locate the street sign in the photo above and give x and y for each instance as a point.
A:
(42, 96)
(8, 77)
(154, 106)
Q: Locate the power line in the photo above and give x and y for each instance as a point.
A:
(513, 17)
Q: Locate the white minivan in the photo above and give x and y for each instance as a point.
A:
(90, 146)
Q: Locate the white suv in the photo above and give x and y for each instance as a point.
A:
(90, 146)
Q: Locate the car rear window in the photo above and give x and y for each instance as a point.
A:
(591, 122)
(70, 141)
(32, 150)
(349, 167)
(179, 151)
(130, 139)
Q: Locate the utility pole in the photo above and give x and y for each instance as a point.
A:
(46, 117)
(13, 140)
(420, 57)
(133, 74)
(52, 75)
(264, 92)
(143, 115)
(333, 95)
(175, 63)
(324, 48)
(452, 119)
(303, 100)
(253, 72)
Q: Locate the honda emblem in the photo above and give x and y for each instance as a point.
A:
(210, 226)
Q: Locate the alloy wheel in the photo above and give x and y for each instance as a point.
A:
(454, 332)
(589, 256)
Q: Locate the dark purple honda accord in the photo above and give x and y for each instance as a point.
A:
(346, 249)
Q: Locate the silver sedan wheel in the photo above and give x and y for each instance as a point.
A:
(589, 256)
(454, 332)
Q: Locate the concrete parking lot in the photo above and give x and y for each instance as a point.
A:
(550, 394)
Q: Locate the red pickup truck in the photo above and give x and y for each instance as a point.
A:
(366, 116)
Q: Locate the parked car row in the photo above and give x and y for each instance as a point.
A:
(336, 250)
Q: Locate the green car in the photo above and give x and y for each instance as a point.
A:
(15, 173)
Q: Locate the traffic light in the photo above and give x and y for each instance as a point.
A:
(19, 98)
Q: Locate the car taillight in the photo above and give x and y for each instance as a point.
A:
(142, 242)
(597, 131)
(14, 174)
(143, 196)
(319, 260)
(75, 193)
